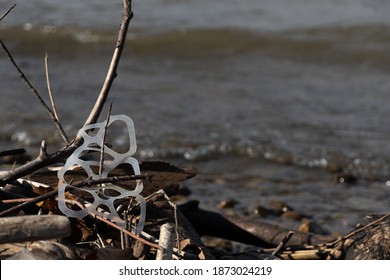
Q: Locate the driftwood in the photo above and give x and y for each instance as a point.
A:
(274, 234)
(370, 241)
(161, 211)
(166, 242)
(245, 231)
(31, 228)
(214, 224)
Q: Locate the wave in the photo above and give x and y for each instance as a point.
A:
(371, 168)
(339, 44)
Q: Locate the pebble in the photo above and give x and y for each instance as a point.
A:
(228, 203)
(312, 227)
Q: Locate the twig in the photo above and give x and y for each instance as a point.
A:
(146, 242)
(101, 165)
(128, 232)
(111, 74)
(65, 152)
(43, 151)
(282, 243)
(305, 254)
(53, 106)
(91, 182)
(10, 195)
(166, 241)
(7, 12)
(39, 162)
(101, 241)
(176, 226)
(28, 203)
(12, 152)
(15, 200)
(32, 89)
(125, 241)
(49, 88)
(88, 182)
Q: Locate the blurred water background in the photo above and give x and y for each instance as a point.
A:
(270, 100)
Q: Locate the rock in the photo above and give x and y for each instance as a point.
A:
(313, 227)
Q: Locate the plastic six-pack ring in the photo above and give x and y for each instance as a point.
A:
(100, 202)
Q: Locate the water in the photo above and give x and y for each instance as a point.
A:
(263, 97)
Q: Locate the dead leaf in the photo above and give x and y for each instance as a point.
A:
(188, 246)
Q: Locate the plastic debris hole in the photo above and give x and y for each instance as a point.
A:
(95, 155)
(118, 136)
(79, 193)
(75, 175)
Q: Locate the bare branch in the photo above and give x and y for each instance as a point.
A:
(32, 88)
(12, 152)
(282, 243)
(85, 183)
(62, 132)
(111, 74)
(101, 165)
(39, 162)
(46, 160)
(146, 242)
(115, 179)
(43, 151)
(7, 12)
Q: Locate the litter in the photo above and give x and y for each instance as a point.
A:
(104, 195)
